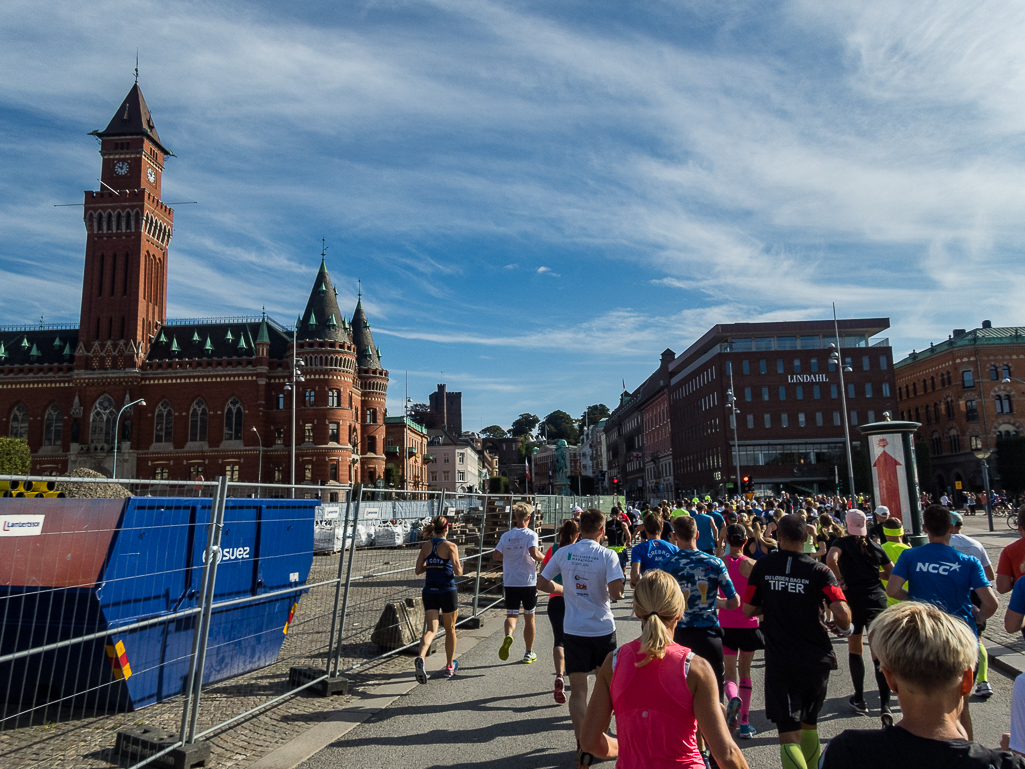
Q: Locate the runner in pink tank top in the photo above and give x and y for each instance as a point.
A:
(661, 693)
(740, 634)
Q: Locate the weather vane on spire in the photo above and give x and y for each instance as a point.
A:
(323, 250)
(136, 66)
(359, 289)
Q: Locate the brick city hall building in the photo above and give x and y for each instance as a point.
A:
(789, 434)
(216, 390)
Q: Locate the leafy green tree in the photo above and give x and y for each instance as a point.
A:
(1010, 463)
(421, 414)
(524, 425)
(558, 425)
(498, 485)
(15, 457)
(592, 415)
(493, 431)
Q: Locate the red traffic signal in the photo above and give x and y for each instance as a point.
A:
(746, 478)
(615, 481)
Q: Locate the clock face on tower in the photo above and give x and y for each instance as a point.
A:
(121, 168)
(151, 175)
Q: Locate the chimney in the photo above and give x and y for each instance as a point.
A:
(959, 332)
(987, 324)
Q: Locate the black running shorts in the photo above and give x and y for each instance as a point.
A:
(585, 653)
(705, 642)
(520, 596)
(556, 615)
(863, 612)
(745, 639)
(444, 602)
(794, 693)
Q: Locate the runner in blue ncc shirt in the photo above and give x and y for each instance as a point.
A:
(708, 534)
(938, 574)
(650, 553)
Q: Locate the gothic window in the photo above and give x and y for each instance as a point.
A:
(19, 422)
(310, 398)
(967, 379)
(233, 420)
(971, 411)
(99, 283)
(198, 419)
(994, 374)
(53, 426)
(937, 445)
(1006, 371)
(101, 422)
(955, 443)
(163, 431)
(281, 401)
(334, 398)
(118, 222)
(109, 225)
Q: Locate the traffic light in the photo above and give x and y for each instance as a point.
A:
(615, 484)
(747, 485)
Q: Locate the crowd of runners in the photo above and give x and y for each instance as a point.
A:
(714, 584)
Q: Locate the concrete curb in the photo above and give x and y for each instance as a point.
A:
(1006, 660)
(371, 702)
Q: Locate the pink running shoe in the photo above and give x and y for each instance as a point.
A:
(560, 690)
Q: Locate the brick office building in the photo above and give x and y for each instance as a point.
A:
(216, 400)
(790, 434)
(405, 471)
(956, 389)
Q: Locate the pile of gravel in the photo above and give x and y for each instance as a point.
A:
(92, 490)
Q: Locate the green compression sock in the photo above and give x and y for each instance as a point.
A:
(792, 756)
(810, 747)
(983, 676)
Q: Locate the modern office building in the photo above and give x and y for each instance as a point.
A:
(789, 432)
(966, 391)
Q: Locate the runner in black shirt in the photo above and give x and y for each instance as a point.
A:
(857, 562)
(788, 588)
(927, 657)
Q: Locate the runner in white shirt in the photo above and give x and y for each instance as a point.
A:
(519, 555)
(591, 579)
(970, 546)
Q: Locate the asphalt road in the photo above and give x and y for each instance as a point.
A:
(496, 713)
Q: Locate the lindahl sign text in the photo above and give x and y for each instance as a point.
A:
(795, 378)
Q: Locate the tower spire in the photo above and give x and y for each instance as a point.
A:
(136, 66)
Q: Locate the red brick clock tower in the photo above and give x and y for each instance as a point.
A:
(124, 291)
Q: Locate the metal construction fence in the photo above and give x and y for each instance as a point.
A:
(138, 618)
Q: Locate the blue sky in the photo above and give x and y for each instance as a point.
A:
(538, 197)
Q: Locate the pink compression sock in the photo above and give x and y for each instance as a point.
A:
(731, 690)
(745, 699)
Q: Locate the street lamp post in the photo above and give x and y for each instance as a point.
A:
(731, 404)
(259, 471)
(295, 377)
(983, 455)
(834, 357)
(117, 434)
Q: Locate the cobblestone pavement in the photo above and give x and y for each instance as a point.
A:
(977, 526)
(73, 738)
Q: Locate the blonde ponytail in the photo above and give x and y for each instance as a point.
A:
(657, 601)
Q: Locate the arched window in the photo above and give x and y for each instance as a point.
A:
(19, 422)
(163, 431)
(101, 422)
(932, 384)
(994, 375)
(198, 418)
(1006, 371)
(967, 379)
(118, 222)
(233, 420)
(109, 226)
(53, 426)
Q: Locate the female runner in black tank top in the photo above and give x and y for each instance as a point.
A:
(439, 561)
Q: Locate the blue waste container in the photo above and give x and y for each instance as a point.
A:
(97, 566)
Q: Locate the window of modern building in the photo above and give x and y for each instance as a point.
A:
(848, 362)
(784, 421)
(799, 392)
(814, 365)
(310, 398)
(779, 365)
(782, 393)
(882, 362)
(886, 389)
(836, 418)
(967, 379)
(233, 420)
(868, 389)
(871, 417)
(809, 342)
(747, 393)
(308, 433)
(334, 398)
(797, 365)
(765, 393)
(971, 411)
(763, 343)
(763, 367)
(866, 363)
(750, 421)
(786, 342)
(854, 417)
(834, 391)
(768, 420)
(830, 364)
(818, 419)
(850, 389)
(816, 392)
(800, 420)
(729, 367)
(199, 416)
(745, 366)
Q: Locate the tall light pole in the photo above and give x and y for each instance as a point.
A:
(983, 455)
(296, 377)
(731, 404)
(117, 434)
(259, 472)
(834, 357)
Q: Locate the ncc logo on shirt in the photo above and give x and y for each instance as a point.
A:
(938, 568)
